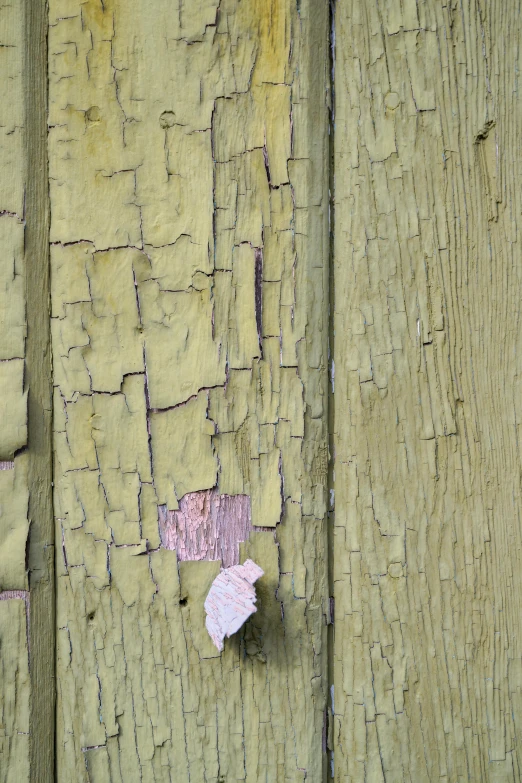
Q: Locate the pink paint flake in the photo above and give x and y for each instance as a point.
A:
(231, 600)
(207, 526)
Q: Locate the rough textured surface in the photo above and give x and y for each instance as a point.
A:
(14, 526)
(187, 145)
(14, 689)
(189, 255)
(41, 552)
(207, 526)
(231, 600)
(26, 714)
(427, 352)
(13, 397)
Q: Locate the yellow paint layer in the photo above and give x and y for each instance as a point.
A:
(189, 205)
(15, 687)
(14, 691)
(13, 397)
(427, 652)
(14, 526)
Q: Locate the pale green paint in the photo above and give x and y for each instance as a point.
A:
(14, 692)
(188, 146)
(27, 688)
(427, 642)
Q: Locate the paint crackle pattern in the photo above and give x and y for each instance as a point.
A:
(427, 647)
(15, 691)
(189, 277)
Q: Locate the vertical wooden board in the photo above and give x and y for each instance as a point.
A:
(26, 561)
(13, 406)
(15, 688)
(427, 353)
(189, 258)
(38, 381)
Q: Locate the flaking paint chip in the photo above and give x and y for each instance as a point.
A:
(231, 600)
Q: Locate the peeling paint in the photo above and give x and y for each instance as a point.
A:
(207, 526)
(7, 595)
(426, 537)
(189, 258)
(20, 595)
(231, 600)
(14, 525)
(187, 147)
(14, 690)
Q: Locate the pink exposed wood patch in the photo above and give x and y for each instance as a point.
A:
(8, 595)
(207, 526)
(231, 600)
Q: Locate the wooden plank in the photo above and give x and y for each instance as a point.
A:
(13, 436)
(26, 561)
(15, 688)
(427, 357)
(189, 256)
(38, 378)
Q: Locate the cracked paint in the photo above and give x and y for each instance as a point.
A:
(25, 715)
(14, 687)
(187, 149)
(187, 152)
(426, 654)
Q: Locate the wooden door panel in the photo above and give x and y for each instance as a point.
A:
(189, 206)
(426, 264)
(196, 242)
(27, 627)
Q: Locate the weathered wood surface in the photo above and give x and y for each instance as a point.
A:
(14, 688)
(13, 405)
(428, 360)
(189, 256)
(188, 180)
(27, 628)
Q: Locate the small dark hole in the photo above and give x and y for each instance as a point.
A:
(183, 601)
(90, 616)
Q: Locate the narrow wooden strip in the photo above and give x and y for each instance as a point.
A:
(14, 691)
(38, 382)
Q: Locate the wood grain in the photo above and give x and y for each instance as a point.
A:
(27, 687)
(38, 380)
(427, 356)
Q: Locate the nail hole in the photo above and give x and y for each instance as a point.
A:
(167, 120)
(93, 115)
(183, 601)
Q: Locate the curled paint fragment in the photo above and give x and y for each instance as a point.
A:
(231, 600)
